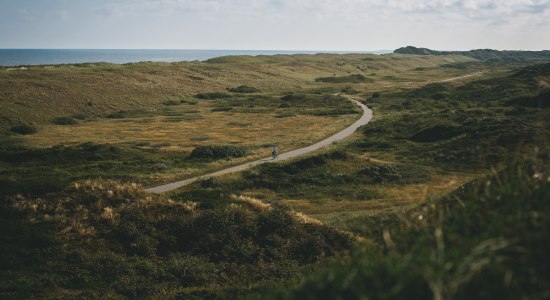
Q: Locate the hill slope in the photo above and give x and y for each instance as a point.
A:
(480, 54)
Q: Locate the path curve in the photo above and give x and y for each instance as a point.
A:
(460, 77)
(365, 118)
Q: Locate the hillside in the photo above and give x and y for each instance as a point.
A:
(35, 94)
(480, 54)
(442, 195)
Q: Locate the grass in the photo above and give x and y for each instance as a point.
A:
(102, 89)
(140, 145)
(111, 239)
(462, 246)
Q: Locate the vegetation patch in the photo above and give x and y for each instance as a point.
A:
(121, 114)
(390, 173)
(171, 102)
(213, 96)
(221, 109)
(542, 100)
(217, 152)
(437, 133)
(449, 248)
(64, 121)
(24, 129)
(244, 89)
(354, 78)
(111, 238)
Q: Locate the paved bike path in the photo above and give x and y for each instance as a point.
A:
(365, 118)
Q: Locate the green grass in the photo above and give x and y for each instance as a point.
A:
(485, 240)
(130, 244)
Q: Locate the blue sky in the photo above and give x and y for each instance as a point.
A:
(275, 24)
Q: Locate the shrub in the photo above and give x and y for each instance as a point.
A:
(171, 102)
(211, 96)
(244, 89)
(354, 78)
(293, 97)
(382, 173)
(437, 133)
(217, 152)
(64, 121)
(24, 129)
(221, 109)
(349, 90)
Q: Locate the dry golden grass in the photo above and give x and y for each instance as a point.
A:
(253, 131)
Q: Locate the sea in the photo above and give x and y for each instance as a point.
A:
(27, 57)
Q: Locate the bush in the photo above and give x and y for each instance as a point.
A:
(293, 97)
(64, 121)
(211, 96)
(244, 89)
(437, 133)
(355, 78)
(24, 129)
(349, 90)
(221, 109)
(217, 152)
(382, 173)
(171, 102)
(113, 237)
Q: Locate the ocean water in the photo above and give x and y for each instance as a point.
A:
(18, 57)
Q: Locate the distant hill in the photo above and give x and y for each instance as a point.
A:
(481, 54)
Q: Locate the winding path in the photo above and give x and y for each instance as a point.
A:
(460, 77)
(365, 118)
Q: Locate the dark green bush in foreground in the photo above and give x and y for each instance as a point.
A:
(105, 239)
(217, 152)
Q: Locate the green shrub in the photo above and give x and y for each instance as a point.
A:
(212, 96)
(64, 121)
(542, 100)
(437, 133)
(113, 237)
(217, 152)
(355, 78)
(24, 129)
(293, 97)
(382, 173)
(349, 90)
(171, 102)
(221, 109)
(244, 89)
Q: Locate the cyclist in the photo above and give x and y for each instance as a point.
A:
(274, 152)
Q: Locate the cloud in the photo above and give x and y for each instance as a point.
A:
(325, 6)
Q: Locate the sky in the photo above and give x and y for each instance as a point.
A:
(347, 25)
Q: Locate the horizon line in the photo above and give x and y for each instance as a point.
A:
(196, 49)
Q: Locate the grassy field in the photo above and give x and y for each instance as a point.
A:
(72, 179)
(34, 94)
